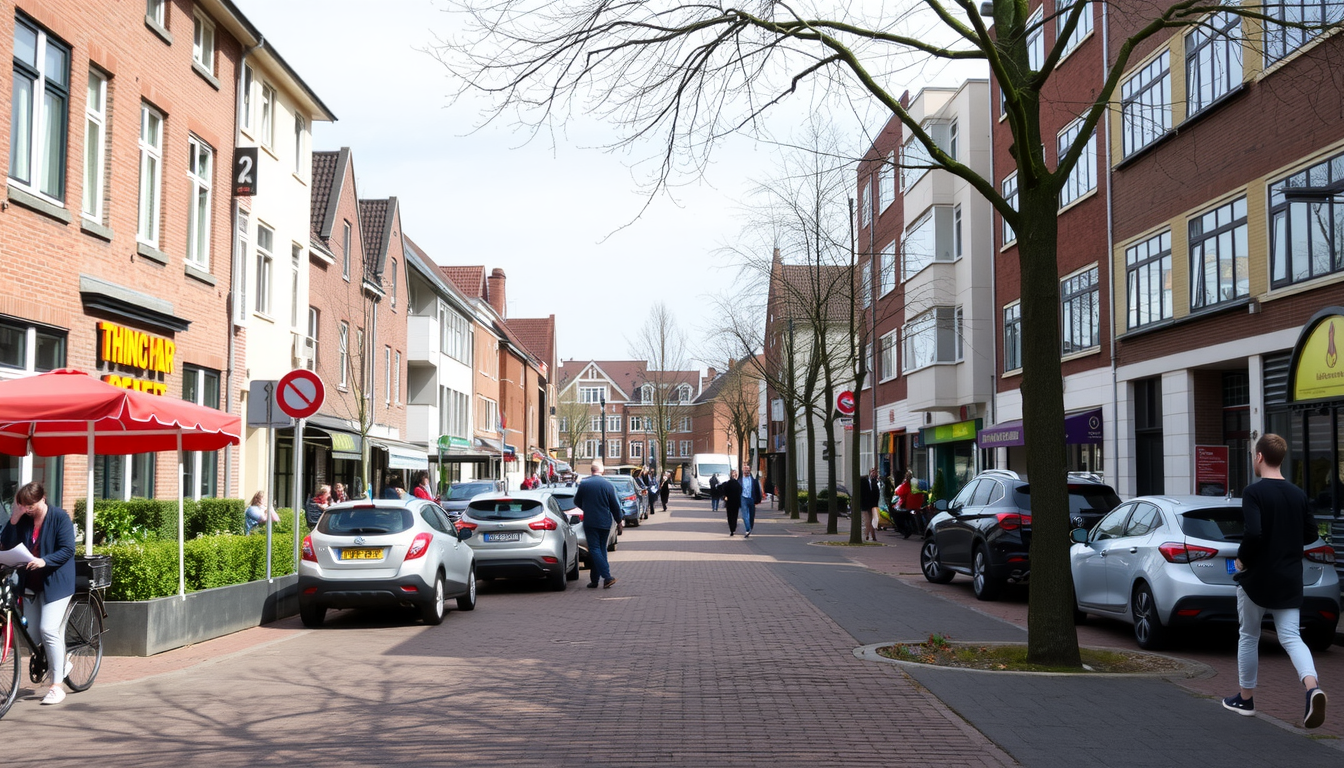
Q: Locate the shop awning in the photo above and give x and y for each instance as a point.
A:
(402, 455)
(1079, 429)
(345, 444)
(489, 444)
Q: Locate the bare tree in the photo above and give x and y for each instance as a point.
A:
(737, 393)
(661, 344)
(574, 418)
(690, 73)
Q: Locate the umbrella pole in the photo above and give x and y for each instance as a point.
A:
(181, 525)
(88, 507)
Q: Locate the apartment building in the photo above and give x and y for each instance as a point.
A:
(631, 392)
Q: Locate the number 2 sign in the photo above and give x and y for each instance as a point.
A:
(245, 172)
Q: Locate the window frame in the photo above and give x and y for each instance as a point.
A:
(345, 250)
(95, 155)
(198, 220)
(157, 12)
(889, 345)
(1286, 216)
(1035, 30)
(314, 330)
(1009, 234)
(1218, 33)
(886, 181)
(1082, 180)
(300, 134)
(265, 273)
(249, 81)
(41, 86)
(1196, 243)
(150, 219)
(1279, 42)
(933, 322)
(1080, 290)
(1080, 32)
(203, 41)
(268, 112)
(1142, 258)
(196, 463)
(295, 264)
(887, 277)
(30, 333)
(1012, 336)
(1136, 130)
(343, 346)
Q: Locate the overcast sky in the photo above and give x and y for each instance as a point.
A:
(552, 214)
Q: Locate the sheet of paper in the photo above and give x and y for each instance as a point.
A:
(16, 557)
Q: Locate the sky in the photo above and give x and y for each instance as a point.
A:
(571, 223)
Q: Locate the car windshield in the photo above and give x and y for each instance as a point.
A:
(704, 470)
(464, 491)
(504, 509)
(565, 501)
(1082, 498)
(364, 520)
(1214, 524)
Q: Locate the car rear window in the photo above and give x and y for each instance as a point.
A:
(504, 509)
(1082, 498)
(365, 520)
(624, 486)
(566, 502)
(1214, 524)
(465, 491)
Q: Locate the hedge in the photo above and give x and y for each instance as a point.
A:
(143, 570)
(822, 496)
(148, 519)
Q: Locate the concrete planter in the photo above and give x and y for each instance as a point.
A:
(147, 627)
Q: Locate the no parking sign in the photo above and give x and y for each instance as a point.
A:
(300, 393)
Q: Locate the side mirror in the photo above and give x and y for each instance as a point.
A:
(940, 505)
(464, 533)
(575, 519)
(1078, 535)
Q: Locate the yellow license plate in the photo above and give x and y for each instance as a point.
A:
(362, 554)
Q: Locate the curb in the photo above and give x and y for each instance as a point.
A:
(1193, 670)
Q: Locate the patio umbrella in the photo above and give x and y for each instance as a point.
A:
(69, 412)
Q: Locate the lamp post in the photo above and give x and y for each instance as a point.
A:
(602, 446)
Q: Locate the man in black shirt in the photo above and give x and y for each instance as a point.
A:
(1269, 577)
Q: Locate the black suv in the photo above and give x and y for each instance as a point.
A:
(985, 531)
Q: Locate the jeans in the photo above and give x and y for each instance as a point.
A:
(49, 621)
(714, 503)
(597, 553)
(1248, 646)
(748, 513)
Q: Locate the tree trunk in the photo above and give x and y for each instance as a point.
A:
(809, 393)
(1052, 638)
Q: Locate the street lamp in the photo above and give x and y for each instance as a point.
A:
(602, 446)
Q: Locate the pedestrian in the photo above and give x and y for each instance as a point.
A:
(910, 499)
(648, 489)
(732, 500)
(768, 488)
(316, 505)
(424, 487)
(664, 490)
(393, 488)
(257, 513)
(751, 496)
(870, 496)
(1277, 523)
(714, 493)
(596, 498)
(49, 535)
(338, 493)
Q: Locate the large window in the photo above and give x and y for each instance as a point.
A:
(95, 145)
(1083, 178)
(613, 448)
(1212, 60)
(1280, 40)
(932, 337)
(199, 168)
(685, 446)
(343, 346)
(1145, 105)
(916, 160)
(314, 324)
(866, 204)
(151, 174)
(685, 423)
(39, 103)
(1009, 196)
(1219, 256)
(1308, 236)
(201, 386)
(887, 269)
(487, 415)
(27, 348)
(1065, 7)
(1080, 311)
(1036, 39)
(1012, 337)
(592, 394)
(454, 410)
(931, 238)
(886, 182)
(203, 42)
(267, 115)
(613, 423)
(636, 449)
(1148, 280)
(265, 269)
(456, 339)
(887, 369)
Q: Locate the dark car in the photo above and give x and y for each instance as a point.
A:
(459, 494)
(985, 531)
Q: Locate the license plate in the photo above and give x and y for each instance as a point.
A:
(503, 536)
(1231, 565)
(362, 554)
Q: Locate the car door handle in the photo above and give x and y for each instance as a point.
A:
(1103, 553)
(1133, 550)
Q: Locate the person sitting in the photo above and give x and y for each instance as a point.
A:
(258, 513)
(317, 505)
(423, 486)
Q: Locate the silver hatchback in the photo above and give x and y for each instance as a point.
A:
(1163, 562)
(522, 535)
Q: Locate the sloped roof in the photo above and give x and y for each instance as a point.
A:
(469, 280)
(629, 375)
(326, 190)
(373, 221)
(800, 286)
(716, 385)
(537, 335)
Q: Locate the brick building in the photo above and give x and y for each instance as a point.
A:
(630, 390)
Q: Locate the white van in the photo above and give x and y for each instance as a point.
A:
(705, 466)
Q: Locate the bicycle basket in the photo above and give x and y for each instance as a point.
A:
(96, 568)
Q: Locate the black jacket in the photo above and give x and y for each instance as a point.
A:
(714, 486)
(1278, 525)
(731, 490)
(870, 494)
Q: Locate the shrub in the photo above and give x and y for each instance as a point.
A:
(146, 570)
(939, 489)
(211, 516)
(822, 495)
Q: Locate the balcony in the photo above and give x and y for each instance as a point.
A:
(422, 339)
(422, 423)
(934, 388)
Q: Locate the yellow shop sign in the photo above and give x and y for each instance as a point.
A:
(1318, 372)
(135, 349)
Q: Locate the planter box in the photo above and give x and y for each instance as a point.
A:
(147, 627)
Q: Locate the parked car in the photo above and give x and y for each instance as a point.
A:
(366, 554)
(634, 506)
(564, 497)
(985, 531)
(523, 535)
(1165, 562)
(455, 500)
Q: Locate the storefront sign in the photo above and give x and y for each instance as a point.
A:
(1316, 369)
(130, 348)
(1211, 470)
(447, 442)
(950, 433)
(1079, 429)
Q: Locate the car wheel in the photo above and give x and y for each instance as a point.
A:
(432, 612)
(467, 602)
(985, 586)
(1148, 630)
(1318, 637)
(557, 581)
(929, 564)
(312, 615)
(573, 574)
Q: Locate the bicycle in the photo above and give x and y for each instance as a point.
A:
(83, 631)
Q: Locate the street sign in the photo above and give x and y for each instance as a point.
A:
(245, 172)
(262, 409)
(301, 393)
(844, 402)
(1211, 470)
(847, 422)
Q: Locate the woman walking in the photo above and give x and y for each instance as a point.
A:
(665, 490)
(732, 500)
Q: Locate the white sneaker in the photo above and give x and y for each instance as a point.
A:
(54, 696)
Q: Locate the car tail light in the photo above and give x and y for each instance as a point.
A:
(410, 587)
(1322, 554)
(550, 560)
(467, 525)
(1188, 612)
(629, 498)
(310, 591)
(1185, 553)
(1011, 521)
(544, 524)
(1328, 615)
(419, 546)
(578, 514)
(309, 553)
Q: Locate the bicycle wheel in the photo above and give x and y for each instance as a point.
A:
(83, 642)
(9, 665)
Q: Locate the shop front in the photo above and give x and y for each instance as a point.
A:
(951, 452)
(1083, 435)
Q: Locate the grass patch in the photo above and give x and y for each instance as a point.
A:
(939, 651)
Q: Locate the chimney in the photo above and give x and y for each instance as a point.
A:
(712, 373)
(495, 287)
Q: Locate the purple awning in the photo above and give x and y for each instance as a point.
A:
(1079, 429)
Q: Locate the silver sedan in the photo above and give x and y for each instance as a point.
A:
(522, 535)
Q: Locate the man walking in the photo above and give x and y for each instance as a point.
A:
(714, 494)
(870, 495)
(751, 496)
(731, 490)
(596, 498)
(1278, 523)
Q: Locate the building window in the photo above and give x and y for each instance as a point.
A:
(365, 361)
(295, 260)
(636, 449)
(241, 255)
(267, 115)
(886, 182)
(392, 267)
(28, 348)
(1012, 337)
(684, 394)
(594, 423)
(487, 415)
(685, 448)
(1212, 60)
(39, 103)
(387, 375)
(866, 283)
(613, 423)
(95, 145)
(203, 42)
(590, 449)
(246, 117)
(1036, 40)
(1308, 235)
(1010, 197)
(929, 239)
(199, 170)
(685, 423)
(866, 204)
(265, 263)
(343, 339)
(956, 232)
(886, 269)
(671, 448)
(1219, 256)
(201, 468)
(646, 393)
(314, 325)
(155, 11)
(1080, 311)
(887, 369)
(952, 140)
(1281, 40)
(299, 126)
(614, 449)
(1145, 105)
(1083, 28)
(592, 394)
(1083, 177)
(345, 251)
(151, 174)
(1148, 280)
(932, 337)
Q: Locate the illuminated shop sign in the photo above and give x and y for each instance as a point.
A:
(129, 348)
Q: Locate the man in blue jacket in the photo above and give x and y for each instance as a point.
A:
(601, 508)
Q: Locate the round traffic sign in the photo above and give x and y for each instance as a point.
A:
(300, 393)
(844, 402)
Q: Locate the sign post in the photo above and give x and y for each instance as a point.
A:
(1211, 471)
(844, 403)
(300, 394)
(264, 412)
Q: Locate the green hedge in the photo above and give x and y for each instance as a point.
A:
(143, 570)
(147, 519)
(822, 495)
